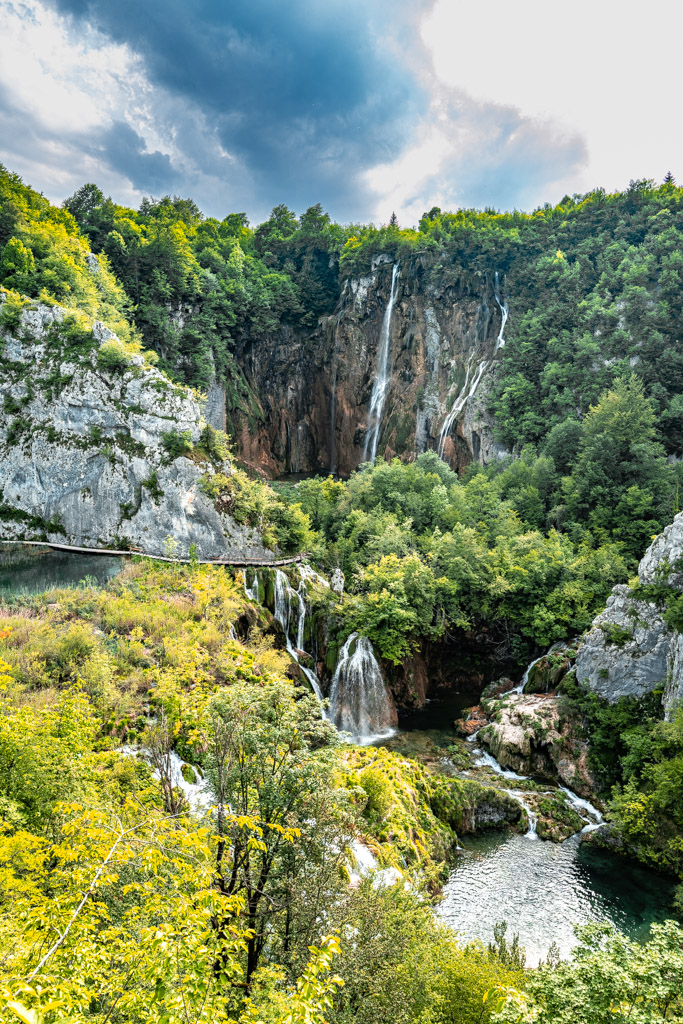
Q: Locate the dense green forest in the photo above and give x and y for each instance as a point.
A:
(594, 286)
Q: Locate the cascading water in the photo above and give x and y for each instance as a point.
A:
(283, 614)
(381, 381)
(251, 591)
(525, 678)
(503, 307)
(472, 380)
(359, 702)
(463, 397)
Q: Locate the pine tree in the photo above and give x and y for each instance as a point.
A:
(669, 178)
(393, 221)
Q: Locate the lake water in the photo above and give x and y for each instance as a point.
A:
(542, 889)
(30, 570)
(539, 887)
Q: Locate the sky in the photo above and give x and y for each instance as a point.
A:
(366, 106)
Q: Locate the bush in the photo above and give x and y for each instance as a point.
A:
(177, 443)
(113, 355)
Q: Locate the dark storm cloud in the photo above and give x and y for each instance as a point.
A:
(124, 151)
(305, 95)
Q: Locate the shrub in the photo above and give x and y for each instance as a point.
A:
(177, 443)
(113, 355)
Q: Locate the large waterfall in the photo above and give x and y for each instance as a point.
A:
(284, 595)
(473, 379)
(380, 384)
(359, 701)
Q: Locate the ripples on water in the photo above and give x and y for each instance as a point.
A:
(541, 889)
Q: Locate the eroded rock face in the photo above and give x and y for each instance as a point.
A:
(81, 454)
(312, 389)
(531, 736)
(630, 651)
(626, 652)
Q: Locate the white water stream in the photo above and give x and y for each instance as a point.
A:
(473, 379)
(381, 381)
(359, 702)
(284, 595)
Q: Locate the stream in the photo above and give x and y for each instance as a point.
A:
(540, 888)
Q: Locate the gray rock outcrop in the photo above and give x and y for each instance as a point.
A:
(629, 650)
(82, 453)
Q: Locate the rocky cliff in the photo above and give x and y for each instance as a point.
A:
(312, 390)
(84, 453)
(630, 651)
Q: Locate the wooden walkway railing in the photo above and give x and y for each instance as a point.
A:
(235, 563)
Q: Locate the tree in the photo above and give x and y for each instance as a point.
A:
(261, 766)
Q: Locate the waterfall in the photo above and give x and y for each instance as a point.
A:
(590, 815)
(359, 702)
(503, 307)
(525, 678)
(472, 381)
(463, 397)
(381, 381)
(251, 591)
(283, 614)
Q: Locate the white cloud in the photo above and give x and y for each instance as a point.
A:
(596, 67)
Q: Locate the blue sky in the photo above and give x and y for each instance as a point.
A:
(366, 106)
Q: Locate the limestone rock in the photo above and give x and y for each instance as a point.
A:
(83, 460)
(629, 651)
(626, 652)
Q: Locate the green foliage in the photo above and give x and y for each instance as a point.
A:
(113, 355)
(608, 978)
(177, 443)
(425, 553)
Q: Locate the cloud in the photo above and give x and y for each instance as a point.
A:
(365, 107)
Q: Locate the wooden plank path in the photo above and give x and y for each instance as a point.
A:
(241, 563)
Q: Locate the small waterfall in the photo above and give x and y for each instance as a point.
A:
(503, 307)
(585, 810)
(283, 613)
(590, 814)
(525, 678)
(251, 591)
(380, 384)
(359, 702)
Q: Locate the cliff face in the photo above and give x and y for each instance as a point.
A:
(82, 454)
(630, 651)
(314, 389)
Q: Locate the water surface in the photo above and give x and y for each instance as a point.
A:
(31, 570)
(542, 889)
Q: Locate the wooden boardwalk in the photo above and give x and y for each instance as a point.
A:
(235, 563)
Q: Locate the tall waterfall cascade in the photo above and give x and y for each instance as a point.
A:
(473, 377)
(284, 597)
(381, 381)
(359, 702)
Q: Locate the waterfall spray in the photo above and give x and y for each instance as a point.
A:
(381, 381)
